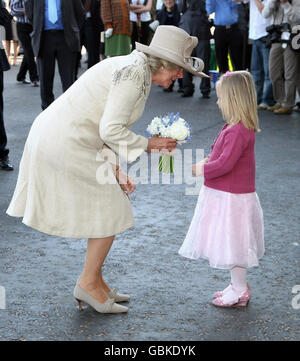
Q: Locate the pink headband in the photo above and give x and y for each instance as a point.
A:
(227, 74)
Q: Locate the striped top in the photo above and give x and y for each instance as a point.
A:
(17, 10)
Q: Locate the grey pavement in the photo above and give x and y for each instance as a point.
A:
(171, 296)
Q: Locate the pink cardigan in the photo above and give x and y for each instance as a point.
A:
(231, 166)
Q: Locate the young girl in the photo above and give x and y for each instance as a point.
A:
(227, 227)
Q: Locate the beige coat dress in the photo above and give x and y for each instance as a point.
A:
(62, 187)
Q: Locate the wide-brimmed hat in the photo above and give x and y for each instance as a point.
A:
(175, 45)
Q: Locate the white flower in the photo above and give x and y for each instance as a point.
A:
(161, 126)
(164, 131)
(179, 131)
(153, 127)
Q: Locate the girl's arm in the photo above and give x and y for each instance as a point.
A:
(269, 8)
(234, 145)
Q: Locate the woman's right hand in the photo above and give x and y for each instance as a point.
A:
(126, 183)
(160, 143)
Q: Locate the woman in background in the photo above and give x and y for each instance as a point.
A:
(140, 17)
(115, 17)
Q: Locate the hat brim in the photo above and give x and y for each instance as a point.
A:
(152, 51)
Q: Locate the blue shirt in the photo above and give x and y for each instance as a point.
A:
(226, 11)
(58, 25)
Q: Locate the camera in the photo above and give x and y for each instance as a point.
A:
(280, 33)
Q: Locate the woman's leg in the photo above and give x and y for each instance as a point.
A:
(7, 49)
(91, 279)
(16, 51)
(103, 283)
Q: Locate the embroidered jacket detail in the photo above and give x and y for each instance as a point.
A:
(138, 72)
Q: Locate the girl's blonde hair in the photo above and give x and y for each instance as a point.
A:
(156, 63)
(238, 100)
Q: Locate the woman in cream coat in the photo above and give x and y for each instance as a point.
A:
(69, 183)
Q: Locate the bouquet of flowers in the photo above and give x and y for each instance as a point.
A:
(169, 126)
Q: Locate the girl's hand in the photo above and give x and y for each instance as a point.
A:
(126, 183)
(198, 168)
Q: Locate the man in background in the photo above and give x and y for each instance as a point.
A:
(24, 29)
(228, 36)
(56, 37)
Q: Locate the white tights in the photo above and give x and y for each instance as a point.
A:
(238, 283)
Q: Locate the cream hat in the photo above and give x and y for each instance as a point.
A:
(175, 45)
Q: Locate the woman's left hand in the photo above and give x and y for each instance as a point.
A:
(126, 183)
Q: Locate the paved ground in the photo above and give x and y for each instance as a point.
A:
(170, 295)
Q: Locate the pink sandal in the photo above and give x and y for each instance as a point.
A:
(220, 293)
(242, 301)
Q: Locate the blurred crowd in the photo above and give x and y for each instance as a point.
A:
(261, 36)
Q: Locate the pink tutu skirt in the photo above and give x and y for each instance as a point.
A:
(227, 229)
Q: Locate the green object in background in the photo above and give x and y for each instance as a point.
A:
(117, 44)
(166, 163)
(213, 60)
(230, 63)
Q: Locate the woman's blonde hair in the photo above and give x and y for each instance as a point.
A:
(238, 101)
(156, 63)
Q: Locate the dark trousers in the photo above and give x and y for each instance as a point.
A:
(140, 37)
(229, 40)
(202, 51)
(28, 62)
(3, 138)
(92, 42)
(54, 47)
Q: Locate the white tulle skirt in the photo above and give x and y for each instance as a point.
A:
(227, 229)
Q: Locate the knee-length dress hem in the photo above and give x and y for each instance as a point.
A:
(220, 266)
(67, 235)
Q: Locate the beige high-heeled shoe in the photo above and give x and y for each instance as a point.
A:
(107, 307)
(118, 297)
